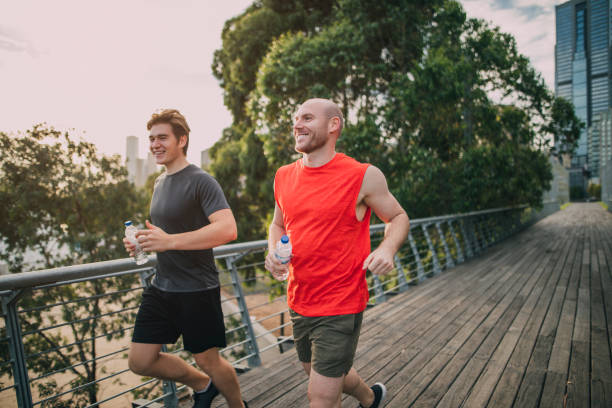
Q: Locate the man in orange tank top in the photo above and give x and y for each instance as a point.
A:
(323, 203)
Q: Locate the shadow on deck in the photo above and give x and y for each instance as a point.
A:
(528, 323)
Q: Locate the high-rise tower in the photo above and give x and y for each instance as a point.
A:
(582, 75)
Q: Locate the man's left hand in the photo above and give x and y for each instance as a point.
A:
(379, 262)
(154, 239)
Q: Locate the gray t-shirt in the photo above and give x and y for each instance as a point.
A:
(182, 202)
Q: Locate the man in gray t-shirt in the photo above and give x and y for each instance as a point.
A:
(182, 202)
(190, 216)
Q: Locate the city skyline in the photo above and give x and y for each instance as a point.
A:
(103, 73)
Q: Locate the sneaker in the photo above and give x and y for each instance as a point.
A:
(245, 404)
(380, 392)
(204, 399)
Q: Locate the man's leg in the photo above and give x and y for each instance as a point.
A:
(222, 374)
(324, 392)
(353, 385)
(148, 360)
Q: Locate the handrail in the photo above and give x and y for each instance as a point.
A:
(91, 270)
(434, 244)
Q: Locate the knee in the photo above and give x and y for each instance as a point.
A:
(322, 398)
(139, 365)
(208, 360)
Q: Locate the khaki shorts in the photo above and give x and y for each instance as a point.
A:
(328, 342)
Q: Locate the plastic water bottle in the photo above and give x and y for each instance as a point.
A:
(130, 233)
(283, 253)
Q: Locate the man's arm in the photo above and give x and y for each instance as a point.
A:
(221, 230)
(276, 231)
(377, 196)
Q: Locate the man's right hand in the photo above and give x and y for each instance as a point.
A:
(129, 246)
(275, 267)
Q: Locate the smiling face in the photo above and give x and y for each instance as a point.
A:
(164, 145)
(315, 125)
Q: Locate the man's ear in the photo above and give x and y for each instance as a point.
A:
(334, 124)
(182, 141)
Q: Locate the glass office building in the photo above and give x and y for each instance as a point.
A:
(582, 75)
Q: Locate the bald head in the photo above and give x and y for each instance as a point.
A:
(328, 108)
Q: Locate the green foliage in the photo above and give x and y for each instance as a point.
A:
(444, 105)
(236, 334)
(594, 190)
(66, 203)
(576, 193)
(59, 193)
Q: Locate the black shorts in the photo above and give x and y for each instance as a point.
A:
(164, 316)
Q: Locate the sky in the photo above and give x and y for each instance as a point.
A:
(102, 68)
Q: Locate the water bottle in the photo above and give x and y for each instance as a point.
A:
(283, 253)
(130, 233)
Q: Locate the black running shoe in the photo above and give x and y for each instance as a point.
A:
(204, 399)
(380, 392)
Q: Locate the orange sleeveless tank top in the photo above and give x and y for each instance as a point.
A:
(329, 243)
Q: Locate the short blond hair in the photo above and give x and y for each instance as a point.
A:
(176, 120)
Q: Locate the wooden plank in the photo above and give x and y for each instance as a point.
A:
(454, 298)
(530, 390)
(454, 321)
(434, 334)
(465, 380)
(483, 325)
(482, 390)
(554, 391)
(432, 394)
(600, 340)
(578, 380)
(509, 383)
(601, 369)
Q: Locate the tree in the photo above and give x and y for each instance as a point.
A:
(427, 94)
(67, 203)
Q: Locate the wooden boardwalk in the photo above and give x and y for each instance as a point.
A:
(526, 324)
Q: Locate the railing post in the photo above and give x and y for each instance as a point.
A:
(436, 263)
(401, 277)
(379, 293)
(460, 258)
(255, 359)
(169, 387)
(472, 232)
(17, 350)
(507, 224)
(417, 258)
(493, 229)
(496, 221)
(466, 238)
(449, 259)
(482, 232)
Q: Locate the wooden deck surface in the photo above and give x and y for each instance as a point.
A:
(526, 324)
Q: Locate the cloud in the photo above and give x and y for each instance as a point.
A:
(539, 37)
(9, 41)
(532, 12)
(12, 41)
(503, 4)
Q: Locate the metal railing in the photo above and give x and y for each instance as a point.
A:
(67, 330)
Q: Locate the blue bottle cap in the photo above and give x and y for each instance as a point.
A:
(128, 223)
(284, 239)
